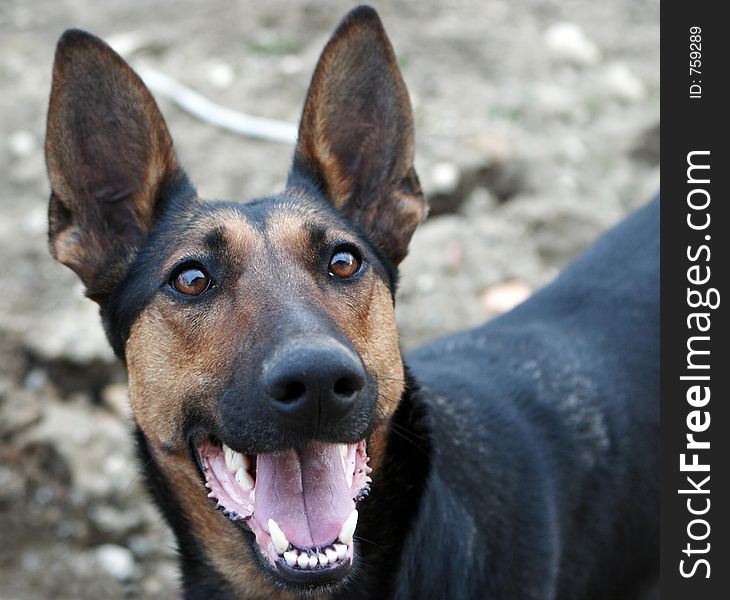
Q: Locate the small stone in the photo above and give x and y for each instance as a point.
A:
(126, 43)
(116, 397)
(140, 546)
(567, 42)
(35, 380)
(554, 99)
(455, 256)
(31, 561)
(116, 561)
(35, 222)
(573, 148)
(21, 143)
(444, 178)
(622, 83)
(291, 64)
(11, 484)
(113, 522)
(426, 282)
(503, 297)
(220, 75)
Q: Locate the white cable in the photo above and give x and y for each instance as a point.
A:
(215, 114)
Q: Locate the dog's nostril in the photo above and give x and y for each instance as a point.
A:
(292, 392)
(346, 387)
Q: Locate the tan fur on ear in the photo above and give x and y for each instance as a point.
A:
(108, 154)
(356, 134)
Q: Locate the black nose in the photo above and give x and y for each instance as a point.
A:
(313, 380)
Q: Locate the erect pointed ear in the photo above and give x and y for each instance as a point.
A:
(356, 134)
(110, 160)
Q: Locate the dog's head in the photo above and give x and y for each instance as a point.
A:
(259, 336)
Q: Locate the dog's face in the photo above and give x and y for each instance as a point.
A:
(259, 336)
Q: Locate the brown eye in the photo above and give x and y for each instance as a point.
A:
(191, 280)
(344, 263)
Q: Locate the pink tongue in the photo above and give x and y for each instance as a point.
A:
(305, 492)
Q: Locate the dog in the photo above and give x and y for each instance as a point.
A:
(284, 439)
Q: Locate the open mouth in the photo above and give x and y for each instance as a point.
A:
(299, 503)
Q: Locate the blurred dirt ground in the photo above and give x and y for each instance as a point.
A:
(537, 128)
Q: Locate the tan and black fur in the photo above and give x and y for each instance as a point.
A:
(479, 459)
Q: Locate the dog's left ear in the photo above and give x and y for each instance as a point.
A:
(356, 134)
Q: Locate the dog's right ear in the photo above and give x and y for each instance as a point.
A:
(110, 160)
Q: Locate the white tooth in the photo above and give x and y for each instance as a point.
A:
(343, 458)
(237, 461)
(244, 480)
(331, 555)
(281, 544)
(323, 560)
(303, 561)
(227, 454)
(291, 557)
(313, 562)
(341, 550)
(348, 528)
(234, 460)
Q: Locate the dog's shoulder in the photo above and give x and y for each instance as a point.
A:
(535, 415)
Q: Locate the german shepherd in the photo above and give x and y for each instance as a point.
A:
(283, 438)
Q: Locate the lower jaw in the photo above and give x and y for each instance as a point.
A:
(312, 568)
(328, 578)
(307, 566)
(318, 577)
(295, 580)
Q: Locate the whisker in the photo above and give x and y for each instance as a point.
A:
(359, 538)
(137, 475)
(398, 379)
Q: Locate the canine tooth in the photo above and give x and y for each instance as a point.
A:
(291, 557)
(234, 460)
(244, 480)
(239, 461)
(227, 452)
(331, 555)
(343, 458)
(348, 528)
(281, 544)
(341, 550)
(303, 561)
(323, 560)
